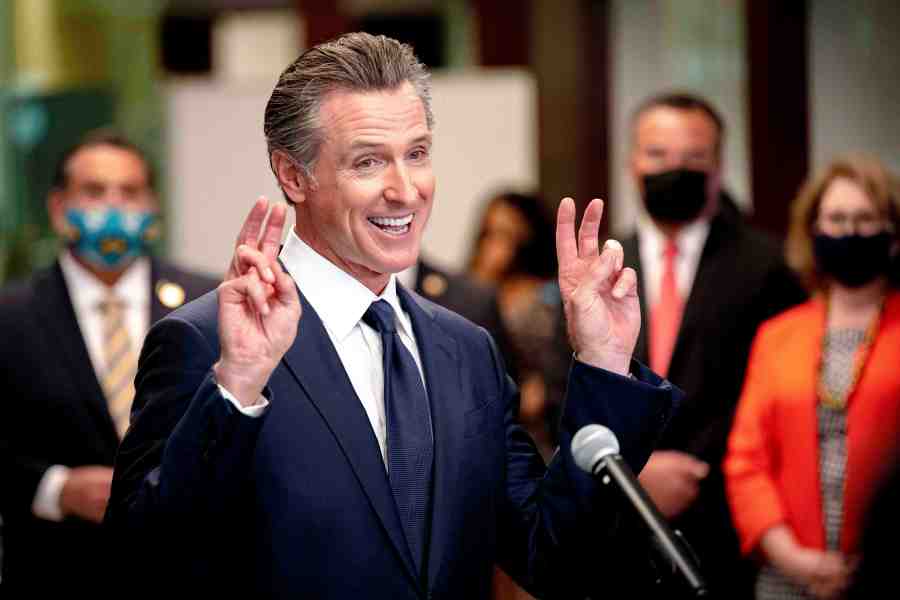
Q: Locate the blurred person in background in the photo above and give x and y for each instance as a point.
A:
(707, 280)
(463, 295)
(818, 418)
(71, 337)
(513, 253)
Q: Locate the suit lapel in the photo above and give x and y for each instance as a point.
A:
(439, 353)
(167, 291)
(315, 364)
(801, 415)
(57, 314)
(633, 260)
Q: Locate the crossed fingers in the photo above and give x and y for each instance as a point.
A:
(259, 240)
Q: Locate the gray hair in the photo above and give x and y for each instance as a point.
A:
(354, 62)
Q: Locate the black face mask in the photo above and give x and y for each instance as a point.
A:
(676, 196)
(853, 260)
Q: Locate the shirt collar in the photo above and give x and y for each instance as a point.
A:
(407, 277)
(689, 239)
(338, 298)
(87, 292)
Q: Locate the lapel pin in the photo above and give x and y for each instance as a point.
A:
(171, 295)
(434, 285)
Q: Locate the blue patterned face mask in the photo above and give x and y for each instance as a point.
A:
(110, 238)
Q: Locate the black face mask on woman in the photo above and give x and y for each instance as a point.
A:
(676, 196)
(853, 260)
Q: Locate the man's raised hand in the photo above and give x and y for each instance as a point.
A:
(599, 296)
(259, 308)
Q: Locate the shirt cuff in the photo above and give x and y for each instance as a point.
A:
(630, 374)
(254, 411)
(46, 503)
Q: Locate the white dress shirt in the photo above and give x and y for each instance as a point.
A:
(86, 293)
(341, 301)
(407, 277)
(690, 240)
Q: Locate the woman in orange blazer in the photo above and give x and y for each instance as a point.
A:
(819, 415)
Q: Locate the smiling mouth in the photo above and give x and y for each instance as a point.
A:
(392, 225)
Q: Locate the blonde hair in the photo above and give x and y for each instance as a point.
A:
(879, 184)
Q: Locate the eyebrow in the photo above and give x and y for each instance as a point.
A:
(364, 145)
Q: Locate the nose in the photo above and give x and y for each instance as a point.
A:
(399, 186)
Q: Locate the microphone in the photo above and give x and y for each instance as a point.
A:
(596, 451)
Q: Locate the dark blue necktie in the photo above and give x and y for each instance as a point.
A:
(410, 441)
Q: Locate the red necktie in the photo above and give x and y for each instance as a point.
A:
(665, 317)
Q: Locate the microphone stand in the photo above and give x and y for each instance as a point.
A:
(679, 564)
(667, 575)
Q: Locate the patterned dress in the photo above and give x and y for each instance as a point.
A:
(838, 355)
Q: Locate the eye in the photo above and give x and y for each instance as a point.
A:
(367, 162)
(419, 154)
(132, 192)
(93, 190)
(699, 159)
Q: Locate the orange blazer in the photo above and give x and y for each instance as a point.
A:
(771, 466)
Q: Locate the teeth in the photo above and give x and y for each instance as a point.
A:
(392, 222)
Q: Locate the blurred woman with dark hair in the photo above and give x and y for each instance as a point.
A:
(818, 417)
(514, 248)
(514, 251)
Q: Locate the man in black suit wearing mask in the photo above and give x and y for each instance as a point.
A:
(708, 281)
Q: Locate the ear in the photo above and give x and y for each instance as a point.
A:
(56, 210)
(290, 177)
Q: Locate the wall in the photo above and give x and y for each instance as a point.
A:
(485, 139)
(854, 66)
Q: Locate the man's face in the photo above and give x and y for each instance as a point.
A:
(667, 138)
(374, 184)
(102, 176)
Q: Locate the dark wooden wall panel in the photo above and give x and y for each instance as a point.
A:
(777, 47)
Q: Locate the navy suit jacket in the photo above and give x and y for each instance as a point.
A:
(297, 503)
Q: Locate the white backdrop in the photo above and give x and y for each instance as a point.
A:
(485, 139)
(854, 95)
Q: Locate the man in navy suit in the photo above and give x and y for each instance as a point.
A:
(272, 455)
